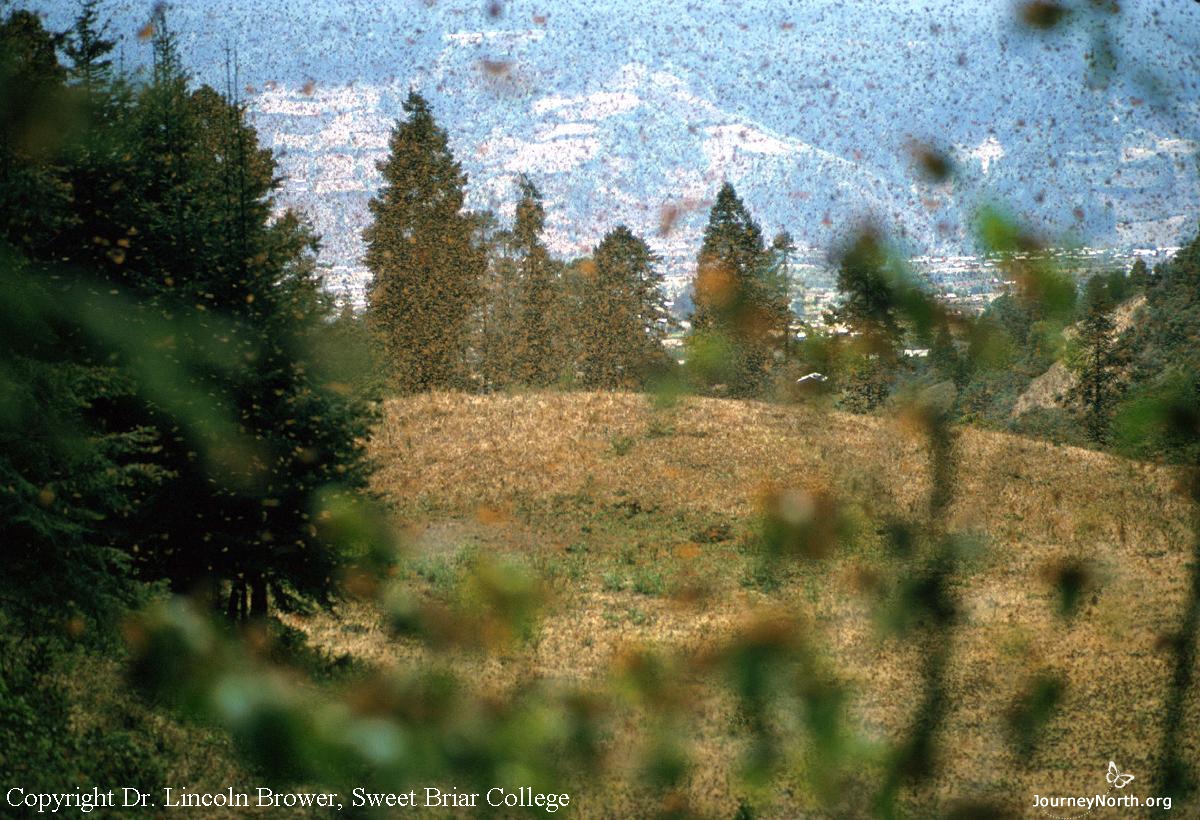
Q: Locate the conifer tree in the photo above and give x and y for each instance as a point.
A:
(778, 282)
(869, 305)
(425, 265)
(1139, 275)
(88, 47)
(302, 432)
(534, 345)
(254, 429)
(499, 310)
(1096, 390)
(869, 308)
(944, 356)
(735, 305)
(34, 102)
(622, 318)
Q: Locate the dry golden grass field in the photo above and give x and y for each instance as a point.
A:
(642, 519)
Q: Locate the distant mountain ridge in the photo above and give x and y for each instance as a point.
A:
(643, 148)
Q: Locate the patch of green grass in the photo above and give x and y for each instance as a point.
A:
(639, 617)
(659, 427)
(571, 567)
(761, 574)
(613, 582)
(621, 445)
(648, 581)
(443, 571)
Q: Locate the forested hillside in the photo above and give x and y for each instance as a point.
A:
(516, 531)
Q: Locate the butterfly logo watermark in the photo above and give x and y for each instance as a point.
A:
(1115, 777)
(1069, 808)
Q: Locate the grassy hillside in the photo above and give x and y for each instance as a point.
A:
(645, 521)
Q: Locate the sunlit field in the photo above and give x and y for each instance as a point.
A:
(642, 521)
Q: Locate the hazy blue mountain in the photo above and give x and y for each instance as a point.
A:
(635, 112)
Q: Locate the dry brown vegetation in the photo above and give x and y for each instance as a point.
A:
(642, 519)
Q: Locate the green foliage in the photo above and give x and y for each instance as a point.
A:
(533, 306)
(1160, 363)
(194, 416)
(623, 316)
(865, 281)
(739, 301)
(1032, 710)
(1096, 389)
(70, 485)
(88, 48)
(44, 748)
(422, 255)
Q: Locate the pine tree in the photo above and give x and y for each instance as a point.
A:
(499, 310)
(254, 428)
(870, 309)
(534, 344)
(88, 48)
(1139, 275)
(1096, 390)
(425, 265)
(68, 476)
(33, 108)
(736, 308)
(300, 432)
(779, 286)
(944, 356)
(869, 303)
(622, 318)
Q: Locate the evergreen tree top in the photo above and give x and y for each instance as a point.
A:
(87, 45)
(731, 236)
(530, 218)
(416, 105)
(420, 173)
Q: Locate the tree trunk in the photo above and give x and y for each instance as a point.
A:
(258, 596)
(235, 611)
(231, 609)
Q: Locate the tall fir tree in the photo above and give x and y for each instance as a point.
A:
(945, 358)
(88, 47)
(1096, 390)
(499, 309)
(1139, 274)
(253, 429)
(868, 301)
(534, 344)
(66, 479)
(778, 282)
(35, 107)
(623, 316)
(738, 312)
(425, 264)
